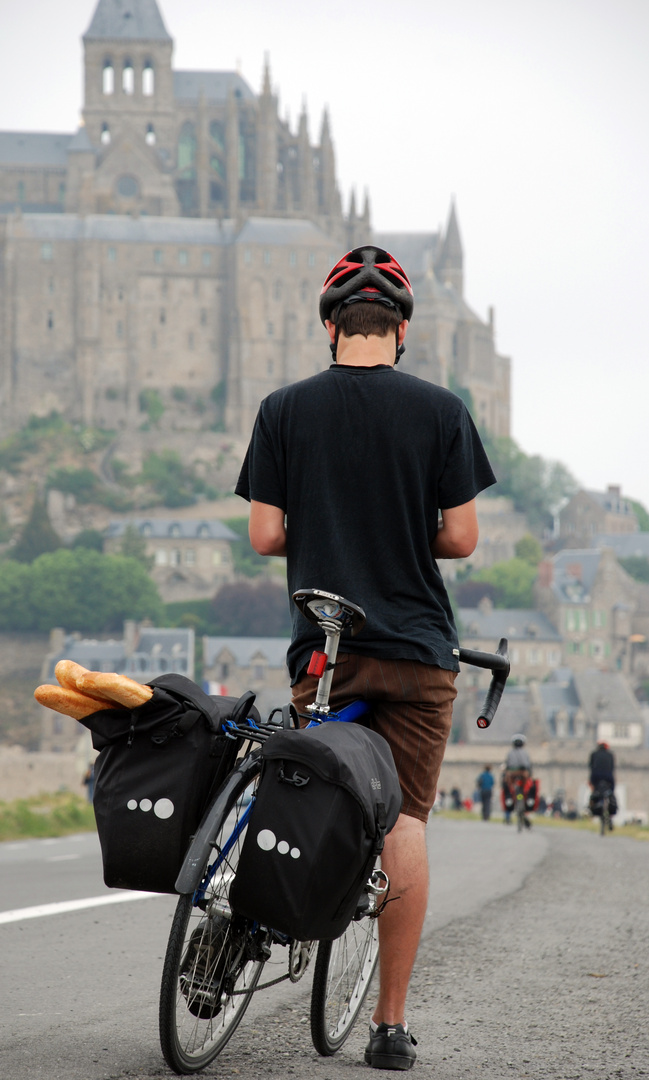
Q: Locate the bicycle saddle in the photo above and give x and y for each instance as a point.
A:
(323, 608)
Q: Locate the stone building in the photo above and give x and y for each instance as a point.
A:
(534, 643)
(191, 559)
(601, 612)
(233, 665)
(179, 239)
(589, 513)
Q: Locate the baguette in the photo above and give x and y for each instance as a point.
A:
(67, 673)
(118, 689)
(70, 702)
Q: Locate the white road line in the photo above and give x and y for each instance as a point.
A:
(71, 905)
(62, 858)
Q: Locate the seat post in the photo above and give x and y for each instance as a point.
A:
(332, 631)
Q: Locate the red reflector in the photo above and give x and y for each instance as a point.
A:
(317, 664)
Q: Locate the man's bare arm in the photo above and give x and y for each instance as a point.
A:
(458, 532)
(266, 529)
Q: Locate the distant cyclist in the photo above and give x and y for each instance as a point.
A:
(518, 771)
(601, 765)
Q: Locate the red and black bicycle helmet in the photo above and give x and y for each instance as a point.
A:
(366, 273)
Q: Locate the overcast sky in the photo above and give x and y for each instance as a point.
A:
(532, 114)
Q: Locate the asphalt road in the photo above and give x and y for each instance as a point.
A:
(534, 964)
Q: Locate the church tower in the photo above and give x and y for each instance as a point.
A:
(128, 107)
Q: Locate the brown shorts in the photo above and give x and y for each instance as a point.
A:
(412, 704)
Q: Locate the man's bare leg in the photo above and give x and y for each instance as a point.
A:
(405, 861)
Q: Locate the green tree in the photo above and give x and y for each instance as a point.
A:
(536, 487)
(134, 546)
(513, 581)
(89, 538)
(83, 590)
(529, 550)
(82, 483)
(641, 515)
(15, 596)
(37, 537)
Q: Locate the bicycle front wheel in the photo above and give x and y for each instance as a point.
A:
(341, 979)
(212, 964)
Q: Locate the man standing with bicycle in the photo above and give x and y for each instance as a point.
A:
(363, 477)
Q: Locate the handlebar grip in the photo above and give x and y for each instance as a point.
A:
(492, 701)
(499, 673)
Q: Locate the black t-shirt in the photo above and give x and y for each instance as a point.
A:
(361, 460)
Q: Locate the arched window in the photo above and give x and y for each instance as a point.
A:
(148, 79)
(108, 77)
(149, 138)
(104, 138)
(128, 77)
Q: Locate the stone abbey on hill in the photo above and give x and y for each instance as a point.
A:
(177, 243)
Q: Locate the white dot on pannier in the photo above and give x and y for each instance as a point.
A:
(295, 852)
(145, 804)
(266, 840)
(282, 847)
(164, 808)
(132, 804)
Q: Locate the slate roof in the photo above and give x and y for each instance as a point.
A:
(80, 142)
(275, 231)
(575, 571)
(214, 85)
(157, 651)
(119, 228)
(512, 623)
(34, 148)
(127, 20)
(605, 695)
(173, 528)
(244, 649)
(625, 545)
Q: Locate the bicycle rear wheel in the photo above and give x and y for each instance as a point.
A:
(341, 979)
(213, 960)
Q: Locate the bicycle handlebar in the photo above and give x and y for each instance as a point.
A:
(498, 664)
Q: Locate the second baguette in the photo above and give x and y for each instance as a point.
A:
(116, 688)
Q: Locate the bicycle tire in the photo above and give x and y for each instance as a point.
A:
(341, 979)
(208, 977)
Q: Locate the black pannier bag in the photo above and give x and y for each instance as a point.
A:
(157, 767)
(326, 798)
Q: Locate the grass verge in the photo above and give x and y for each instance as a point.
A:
(46, 816)
(586, 824)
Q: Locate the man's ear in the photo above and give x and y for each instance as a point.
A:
(331, 330)
(403, 330)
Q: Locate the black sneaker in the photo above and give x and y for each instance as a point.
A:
(390, 1047)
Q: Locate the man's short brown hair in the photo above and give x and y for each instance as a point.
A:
(368, 318)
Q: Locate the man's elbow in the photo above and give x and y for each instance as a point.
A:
(464, 545)
(268, 544)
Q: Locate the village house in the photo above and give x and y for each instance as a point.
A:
(191, 559)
